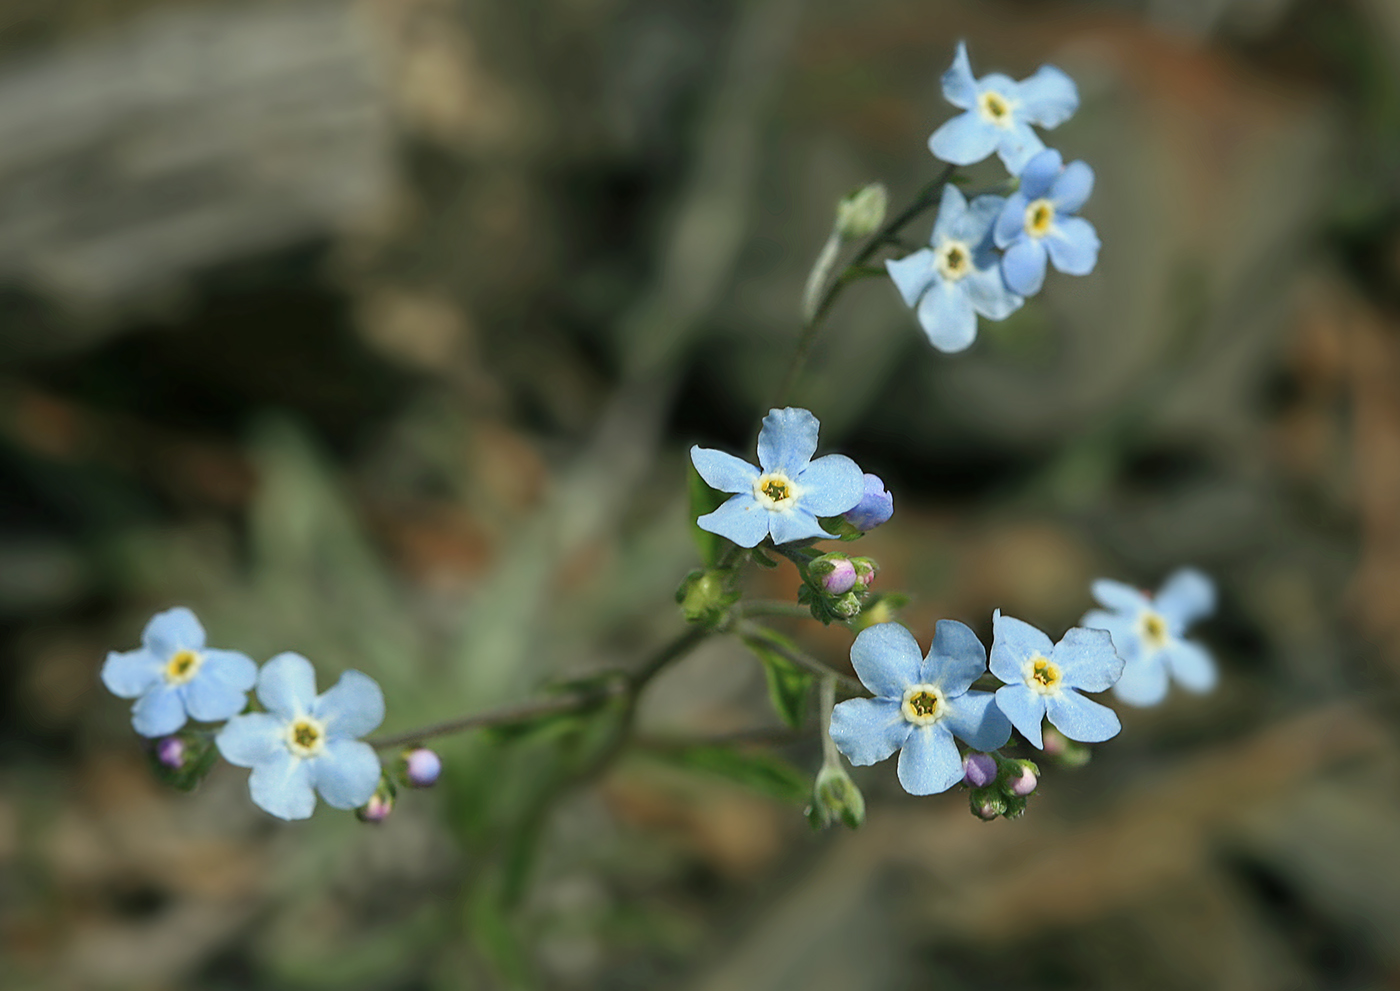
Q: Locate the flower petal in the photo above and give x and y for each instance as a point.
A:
(947, 316)
(912, 274)
(1048, 98)
(1073, 245)
(1019, 144)
(1014, 642)
(977, 720)
(1072, 187)
(955, 660)
(131, 673)
(287, 686)
(220, 688)
(1011, 221)
(740, 518)
(965, 140)
(1122, 628)
(350, 708)
(831, 485)
(1088, 659)
(796, 524)
(977, 221)
(347, 773)
(868, 730)
(723, 471)
(1119, 596)
(172, 630)
(952, 209)
(1025, 709)
(959, 88)
(1040, 173)
(930, 762)
(788, 440)
(1144, 681)
(281, 784)
(989, 294)
(159, 711)
(1190, 665)
(1186, 596)
(1023, 266)
(249, 740)
(1081, 719)
(887, 659)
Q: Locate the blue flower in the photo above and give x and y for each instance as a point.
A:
(876, 506)
(785, 498)
(306, 743)
(174, 677)
(1147, 632)
(1041, 679)
(1036, 221)
(920, 704)
(959, 276)
(1000, 112)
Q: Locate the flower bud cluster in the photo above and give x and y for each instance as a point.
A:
(999, 786)
(836, 586)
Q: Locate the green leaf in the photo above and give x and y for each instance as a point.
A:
(703, 500)
(788, 685)
(763, 773)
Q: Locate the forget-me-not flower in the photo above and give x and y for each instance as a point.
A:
(920, 704)
(785, 496)
(1000, 112)
(306, 743)
(1037, 220)
(1147, 632)
(959, 275)
(876, 506)
(173, 676)
(1044, 679)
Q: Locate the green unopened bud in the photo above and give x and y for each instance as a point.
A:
(987, 803)
(705, 596)
(182, 760)
(836, 797)
(859, 214)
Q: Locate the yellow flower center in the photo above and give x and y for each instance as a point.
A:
(1153, 628)
(182, 666)
(995, 108)
(923, 704)
(306, 737)
(954, 260)
(1043, 676)
(774, 490)
(1040, 214)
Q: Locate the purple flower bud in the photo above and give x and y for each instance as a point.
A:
(1023, 783)
(422, 767)
(170, 751)
(874, 508)
(841, 579)
(979, 770)
(377, 809)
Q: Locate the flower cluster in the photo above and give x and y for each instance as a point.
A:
(986, 256)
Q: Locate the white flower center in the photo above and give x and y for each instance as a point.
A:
(1152, 628)
(1040, 217)
(953, 259)
(1043, 676)
(924, 704)
(995, 108)
(775, 491)
(182, 667)
(306, 737)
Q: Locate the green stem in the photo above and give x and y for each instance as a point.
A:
(773, 607)
(797, 656)
(831, 757)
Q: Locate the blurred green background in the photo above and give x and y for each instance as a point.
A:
(379, 330)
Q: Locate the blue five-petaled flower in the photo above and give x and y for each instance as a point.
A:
(920, 704)
(959, 275)
(1037, 220)
(174, 677)
(999, 113)
(1148, 631)
(306, 743)
(785, 496)
(1044, 679)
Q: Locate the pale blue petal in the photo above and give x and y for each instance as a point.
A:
(1048, 98)
(977, 720)
(1121, 627)
(287, 686)
(998, 82)
(887, 659)
(220, 688)
(1144, 681)
(1073, 245)
(740, 518)
(1081, 719)
(1087, 659)
(172, 630)
(1119, 596)
(1019, 144)
(1071, 190)
(1190, 665)
(795, 524)
(723, 471)
(282, 785)
(350, 708)
(952, 209)
(1025, 709)
(159, 711)
(965, 140)
(1040, 173)
(249, 740)
(912, 274)
(831, 485)
(1023, 266)
(132, 673)
(947, 316)
(346, 774)
(868, 730)
(955, 660)
(930, 762)
(1014, 642)
(1186, 596)
(959, 88)
(988, 292)
(1011, 222)
(976, 222)
(876, 506)
(788, 440)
